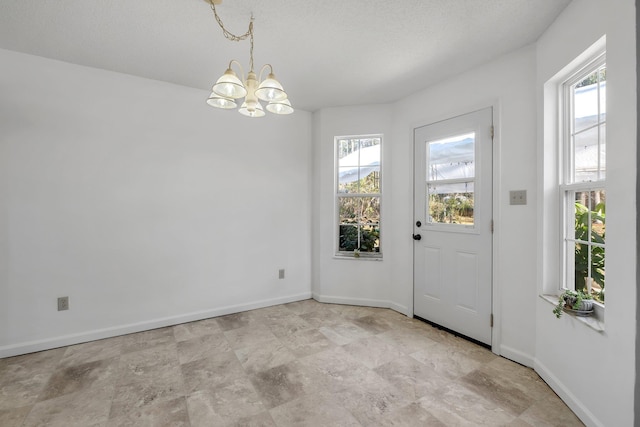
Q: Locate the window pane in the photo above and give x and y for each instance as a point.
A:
(603, 152)
(586, 155)
(597, 268)
(451, 203)
(586, 102)
(588, 255)
(589, 215)
(348, 152)
(349, 209)
(348, 238)
(348, 180)
(451, 158)
(370, 238)
(370, 213)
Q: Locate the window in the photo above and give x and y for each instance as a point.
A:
(358, 195)
(583, 179)
(451, 179)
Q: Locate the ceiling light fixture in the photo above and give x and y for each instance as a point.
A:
(253, 89)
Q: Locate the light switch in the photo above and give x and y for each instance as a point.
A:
(518, 197)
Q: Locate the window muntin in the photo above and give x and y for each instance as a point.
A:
(451, 180)
(584, 180)
(358, 195)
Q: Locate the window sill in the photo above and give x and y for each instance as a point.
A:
(360, 258)
(595, 322)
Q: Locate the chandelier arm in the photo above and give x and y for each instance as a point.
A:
(229, 35)
(262, 70)
(242, 74)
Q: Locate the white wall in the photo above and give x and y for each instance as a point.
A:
(352, 281)
(141, 203)
(594, 372)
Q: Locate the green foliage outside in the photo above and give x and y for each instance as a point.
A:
(451, 208)
(369, 238)
(590, 223)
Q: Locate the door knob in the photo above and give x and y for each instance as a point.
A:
(417, 237)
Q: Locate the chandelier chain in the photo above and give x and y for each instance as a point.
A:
(230, 36)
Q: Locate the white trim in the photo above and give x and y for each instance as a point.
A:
(97, 334)
(567, 396)
(363, 302)
(517, 356)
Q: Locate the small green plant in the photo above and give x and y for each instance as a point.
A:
(570, 299)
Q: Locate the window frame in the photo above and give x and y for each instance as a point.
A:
(338, 195)
(567, 187)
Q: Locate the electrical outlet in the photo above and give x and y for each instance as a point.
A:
(518, 197)
(63, 303)
(281, 273)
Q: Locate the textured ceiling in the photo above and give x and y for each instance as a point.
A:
(325, 53)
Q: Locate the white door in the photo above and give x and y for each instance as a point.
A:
(453, 224)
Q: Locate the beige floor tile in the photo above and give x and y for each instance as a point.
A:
(264, 355)
(305, 306)
(446, 360)
(191, 330)
(307, 342)
(65, 380)
(148, 339)
(313, 411)
(263, 419)
(456, 405)
(227, 404)
(280, 385)
(412, 415)
(369, 397)
(285, 326)
(407, 340)
(92, 351)
(170, 413)
(372, 351)
(140, 363)
(240, 320)
(202, 347)
(374, 324)
(344, 333)
(13, 417)
(249, 335)
(411, 377)
(22, 378)
(550, 412)
(88, 407)
(218, 368)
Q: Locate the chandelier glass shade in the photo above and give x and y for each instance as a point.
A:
(229, 87)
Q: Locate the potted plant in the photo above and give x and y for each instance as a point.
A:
(578, 301)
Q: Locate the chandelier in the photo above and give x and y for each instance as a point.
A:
(229, 89)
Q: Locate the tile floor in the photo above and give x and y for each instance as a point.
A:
(298, 364)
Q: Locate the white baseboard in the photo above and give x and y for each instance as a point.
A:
(516, 356)
(81, 337)
(567, 396)
(363, 302)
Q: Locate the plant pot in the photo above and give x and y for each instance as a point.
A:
(586, 305)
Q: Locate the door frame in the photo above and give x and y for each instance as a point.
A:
(496, 295)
